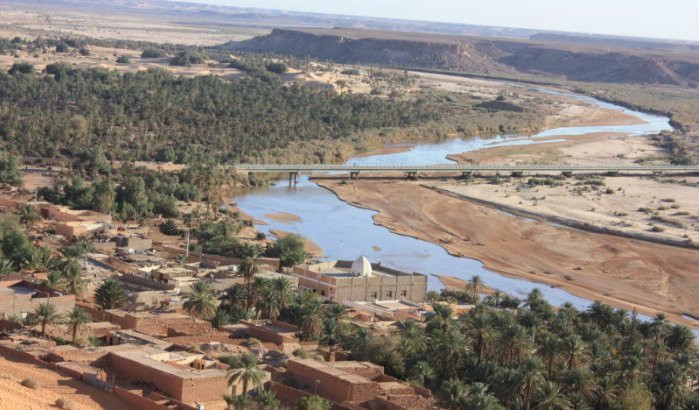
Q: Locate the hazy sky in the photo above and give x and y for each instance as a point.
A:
(676, 19)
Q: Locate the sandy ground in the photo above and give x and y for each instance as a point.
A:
(284, 217)
(656, 207)
(52, 385)
(17, 20)
(623, 272)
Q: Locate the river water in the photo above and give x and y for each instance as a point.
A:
(347, 232)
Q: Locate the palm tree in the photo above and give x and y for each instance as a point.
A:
(313, 403)
(277, 297)
(478, 397)
(245, 368)
(46, 314)
(220, 318)
(412, 338)
(242, 402)
(670, 384)
(580, 381)
(6, 267)
(532, 377)
(453, 393)
(513, 343)
(574, 349)
(53, 279)
(476, 285)
(28, 216)
(76, 319)
(449, 347)
(551, 397)
(267, 400)
(311, 315)
(200, 302)
(111, 295)
(248, 268)
(71, 274)
(479, 327)
(422, 372)
(442, 319)
(550, 349)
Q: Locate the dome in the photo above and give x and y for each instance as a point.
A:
(361, 267)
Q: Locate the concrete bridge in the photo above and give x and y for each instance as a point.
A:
(412, 171)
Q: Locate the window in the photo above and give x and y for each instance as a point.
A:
(404, 293)
(389, 294)
(322, 293)
(374, 295)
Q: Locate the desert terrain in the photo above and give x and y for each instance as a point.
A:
(50, 387)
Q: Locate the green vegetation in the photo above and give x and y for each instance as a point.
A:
(601, 358)
(123, 60)
(200, 301)
(153, 53)
(9, 169)
(291, 250)
(186, 58)
(111, 295)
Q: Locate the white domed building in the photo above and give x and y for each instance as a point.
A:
(361, 281)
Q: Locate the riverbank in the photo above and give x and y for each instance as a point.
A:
(631, 274)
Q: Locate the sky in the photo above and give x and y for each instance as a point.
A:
(672, 19)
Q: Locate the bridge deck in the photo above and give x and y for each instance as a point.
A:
(262, 168)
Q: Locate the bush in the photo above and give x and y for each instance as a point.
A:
(276, 68)
(123, 60)
(64, 404)
(30, 383)
(261, 236)
(169, 227)
(21, 68)
(85, 52)
(153, 53)
(187, 58)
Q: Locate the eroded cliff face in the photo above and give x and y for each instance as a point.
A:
(479, 55)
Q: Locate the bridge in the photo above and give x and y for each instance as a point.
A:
(412, 171)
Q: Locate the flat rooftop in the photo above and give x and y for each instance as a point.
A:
(170, 363)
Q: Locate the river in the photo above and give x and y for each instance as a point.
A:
(347, 232)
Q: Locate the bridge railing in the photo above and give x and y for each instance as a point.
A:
(464, 168)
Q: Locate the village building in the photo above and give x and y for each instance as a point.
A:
(350, 384)
(346, 281)
(20, 297)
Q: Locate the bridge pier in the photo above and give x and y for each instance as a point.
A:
(517, 174)
(293, 178)
(612, 173)
(354, 175)
(466, 174)
(567, 174)
(412, 175)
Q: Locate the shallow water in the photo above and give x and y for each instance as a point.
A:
(345, 231)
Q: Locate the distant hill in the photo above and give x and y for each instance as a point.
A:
(581, 62)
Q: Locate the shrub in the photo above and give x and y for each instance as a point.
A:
(276, 68)
(261, 236)
(169, 227)
(123, 60)
(187, 58)
(85, 51)
(153, 53)
(64, 404)
(21, 68)
(62, 48)
(30, 383)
